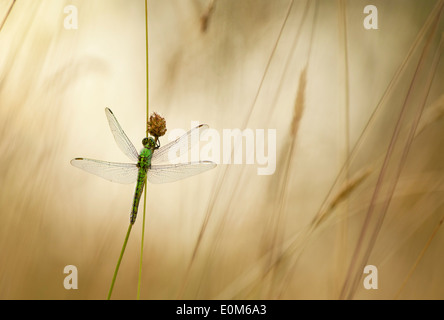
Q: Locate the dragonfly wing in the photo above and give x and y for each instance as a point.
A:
(121, 138)
(112, 171)
(173, 172)
(178, 146)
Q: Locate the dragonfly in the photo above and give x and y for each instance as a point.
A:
(149, 164)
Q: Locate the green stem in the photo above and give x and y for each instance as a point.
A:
(139, 282)
(119, 261)
(147, 68)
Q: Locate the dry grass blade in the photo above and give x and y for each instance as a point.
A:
(7, 15)
(342, 195)
(431, 115)
(421, 255)
(206, 16)
(292, 50)
(299, 105)
(342, 232)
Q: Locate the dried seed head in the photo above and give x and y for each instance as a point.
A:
(156, 125)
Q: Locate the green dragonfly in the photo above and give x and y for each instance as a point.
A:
(148, 163)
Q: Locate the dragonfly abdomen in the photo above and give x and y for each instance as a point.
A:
(143, 164)
(139, 189)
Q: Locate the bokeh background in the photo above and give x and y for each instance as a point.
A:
(360, 137)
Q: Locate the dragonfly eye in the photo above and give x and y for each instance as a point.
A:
(145, 141)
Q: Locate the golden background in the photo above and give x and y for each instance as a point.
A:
(309, 69)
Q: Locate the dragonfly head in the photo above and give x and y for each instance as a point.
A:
(149, 143)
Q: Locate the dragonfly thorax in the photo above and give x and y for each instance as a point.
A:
(145, 158)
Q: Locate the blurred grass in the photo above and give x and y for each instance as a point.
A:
(264, 236)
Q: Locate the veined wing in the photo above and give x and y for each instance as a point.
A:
(121, 139)
(112, 171)
(178, 146)
(173, 172)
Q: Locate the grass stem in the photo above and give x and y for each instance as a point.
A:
(119, 261)
(147, 69)
(139, 282)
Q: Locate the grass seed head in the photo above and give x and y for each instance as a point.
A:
(156, 125)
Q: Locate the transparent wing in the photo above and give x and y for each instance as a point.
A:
(178, 146)
(173, 172)
(112, 171)
(121, 139)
